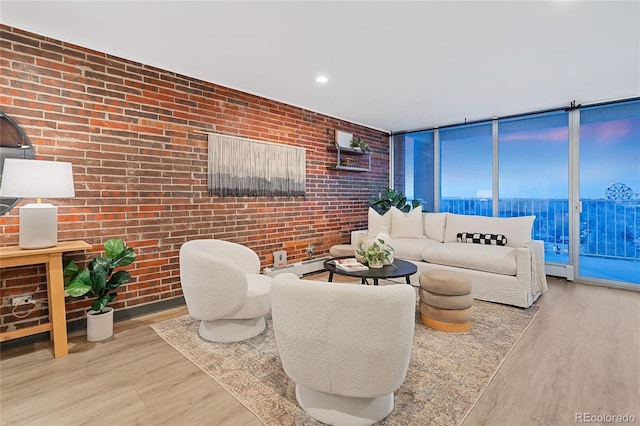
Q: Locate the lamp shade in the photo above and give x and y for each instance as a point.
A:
(36, 179)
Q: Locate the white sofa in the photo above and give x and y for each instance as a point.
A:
(511, 274)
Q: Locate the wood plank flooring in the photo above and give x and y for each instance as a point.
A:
(580, 355)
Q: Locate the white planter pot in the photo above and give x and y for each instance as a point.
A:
(99, 326)
(376, 265)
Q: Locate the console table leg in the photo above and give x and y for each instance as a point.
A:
(55, 290)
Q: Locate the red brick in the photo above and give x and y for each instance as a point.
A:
(140, 170)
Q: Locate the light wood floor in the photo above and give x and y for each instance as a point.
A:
(580, 355)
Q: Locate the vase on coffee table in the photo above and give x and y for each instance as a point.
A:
(376, 264)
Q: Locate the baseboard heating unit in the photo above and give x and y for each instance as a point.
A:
(300, 268)
(559, 270)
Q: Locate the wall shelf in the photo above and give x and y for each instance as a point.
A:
(352, 160)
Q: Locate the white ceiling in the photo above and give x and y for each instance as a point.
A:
(391, 65)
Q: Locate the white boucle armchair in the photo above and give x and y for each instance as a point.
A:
(346, 346)
(223, 288)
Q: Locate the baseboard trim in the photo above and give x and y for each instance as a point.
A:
(81, 324)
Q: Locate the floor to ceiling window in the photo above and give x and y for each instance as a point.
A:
(414, 165)
(579, 177)
(610, 192)
(466, 164)
(533, 177)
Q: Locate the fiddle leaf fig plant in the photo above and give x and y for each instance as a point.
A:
(394, 198)
(98, 279)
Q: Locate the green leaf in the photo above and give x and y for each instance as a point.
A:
(69, 271)
(79, 284)
(101, 263)
(77, 289)
(117, 280)
(100, 303)
(98, 278)
(69, 267)
(113, 248)
(126, 257)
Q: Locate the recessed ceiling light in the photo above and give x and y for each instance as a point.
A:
(321, 79)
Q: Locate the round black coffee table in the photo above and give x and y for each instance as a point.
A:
(400, 268)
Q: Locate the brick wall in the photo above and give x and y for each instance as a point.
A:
(140, 170)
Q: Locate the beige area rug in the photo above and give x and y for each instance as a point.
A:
(447, 374)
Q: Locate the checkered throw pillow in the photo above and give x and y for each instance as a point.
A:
(478, 238)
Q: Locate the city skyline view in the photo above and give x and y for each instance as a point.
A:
(609, 151)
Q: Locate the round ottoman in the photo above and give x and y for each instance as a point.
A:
(445, 300)
(342, 250)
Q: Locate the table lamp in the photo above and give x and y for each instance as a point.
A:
(37, 179)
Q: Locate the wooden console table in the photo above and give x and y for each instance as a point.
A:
(52, 258)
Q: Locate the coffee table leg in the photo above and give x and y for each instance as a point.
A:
(375, 281)
(408, 280)
(364, 281)
(330, 276)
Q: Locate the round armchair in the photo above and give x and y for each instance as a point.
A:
(223, 288)
(346, 346)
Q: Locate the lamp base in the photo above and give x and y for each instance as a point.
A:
(38, 226)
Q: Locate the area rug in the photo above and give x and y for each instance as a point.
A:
(447, 373)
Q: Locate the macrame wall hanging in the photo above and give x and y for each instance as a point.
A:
(241, 167)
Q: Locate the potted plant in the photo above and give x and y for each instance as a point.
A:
(357, 143)
(100, 280)
(394, 198)
(378, 254)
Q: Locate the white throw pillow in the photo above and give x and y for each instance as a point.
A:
(406, 225)
(434, 224)
(377, 221)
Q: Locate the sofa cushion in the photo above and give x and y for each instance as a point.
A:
(406, 248)
(496, 259)
(406, 225)
(516, 229)
(434, 224)
(477, 238)
(377, 222)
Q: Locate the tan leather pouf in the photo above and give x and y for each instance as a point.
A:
(342, 250)
(445, 300)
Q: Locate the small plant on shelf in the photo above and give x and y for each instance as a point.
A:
(357, 143)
